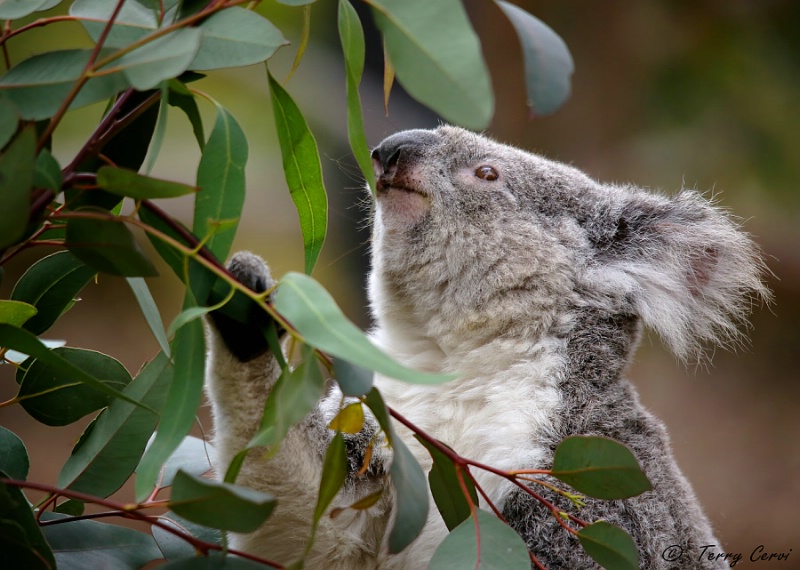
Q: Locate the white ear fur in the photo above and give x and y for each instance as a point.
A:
(690, 273)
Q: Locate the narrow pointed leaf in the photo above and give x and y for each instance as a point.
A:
(313, 312)
(599, 467)
(303, 171)
(446, 488)
(125, 182)
(501, 548)
(183, 400)
(236, 37)
(219, 505)
(609, 546)
(150, 311)
(548, 63)
(105, 458)
(51, 285)
(17, 167)
(352, 37)
(181, 97)
(437, 57)
(411, 506)
(221, 179)
(15, 313)
(334, 472)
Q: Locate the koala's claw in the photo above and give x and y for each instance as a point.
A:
(241, 323)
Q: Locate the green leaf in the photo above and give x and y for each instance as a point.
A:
(15, 9)
(599, 467)
(26, 343)
(14, 460)
(183, 400)
(353, 380)
(191, 456)
(548, 63)
(108, 246)
(213, 561)
(303, 172)
(411, 506)
(21, 540)
(236, 37)
(500, 547)
(334, 472)
(134, 21)
(48, 172)
(123, 182)
(9, 121)
(314, 314)
(296, 2)
(163, 58)
(70, 507)
(182, 98)
(79, 545)
(221, 179)
(294, 395)
(105, 457)
(352, 37)
(174, 547)
(609, 546)
(350, 419)
(219, 505)
(15, 313)
(150, 311)
(38, 85)
(51, 285)
(437, 57)
(56, 398)
(17, 167)
(446, 488)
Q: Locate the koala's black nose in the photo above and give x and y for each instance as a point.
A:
(400, 149)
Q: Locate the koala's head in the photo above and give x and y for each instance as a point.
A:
(473, 240)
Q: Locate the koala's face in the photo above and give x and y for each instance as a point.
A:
(472, 237)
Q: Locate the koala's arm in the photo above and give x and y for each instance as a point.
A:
(240, 372)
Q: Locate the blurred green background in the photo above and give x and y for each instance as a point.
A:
(666, 94)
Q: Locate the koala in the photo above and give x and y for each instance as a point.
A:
(533, 283)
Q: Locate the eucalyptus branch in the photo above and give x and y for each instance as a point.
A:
(132, 511)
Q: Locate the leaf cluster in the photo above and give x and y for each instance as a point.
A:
(145, 62)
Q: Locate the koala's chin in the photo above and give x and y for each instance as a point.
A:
(533, 282)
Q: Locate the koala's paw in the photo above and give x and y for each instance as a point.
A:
(241, 323)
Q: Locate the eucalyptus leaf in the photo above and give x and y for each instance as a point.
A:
(15, 313)
(107, 245)
(609, 546)
(221, 180)
(437, 57)
(124, 182)
(191, 456)
(38, 85)
(105, 457)
(219, 505)
(236, 37)
(150, 311)
(183, 400)
(135, 20)
(548, 63)
(56, 398)
(314, 314)
(174, 547)
(14, 460)
(501, 548)
(599, 467)
(51, 285)
(334, 473)
(411, 505)
(9, 121)
(15, 9)
(17, 168)
(21, 540)
(303, 172)
(48, 172)
(353, 380)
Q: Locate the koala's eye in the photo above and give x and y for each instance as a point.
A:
(487, 173)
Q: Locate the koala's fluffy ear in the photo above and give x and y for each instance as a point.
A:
(690, 273)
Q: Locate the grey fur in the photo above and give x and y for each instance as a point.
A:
(534, 282)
